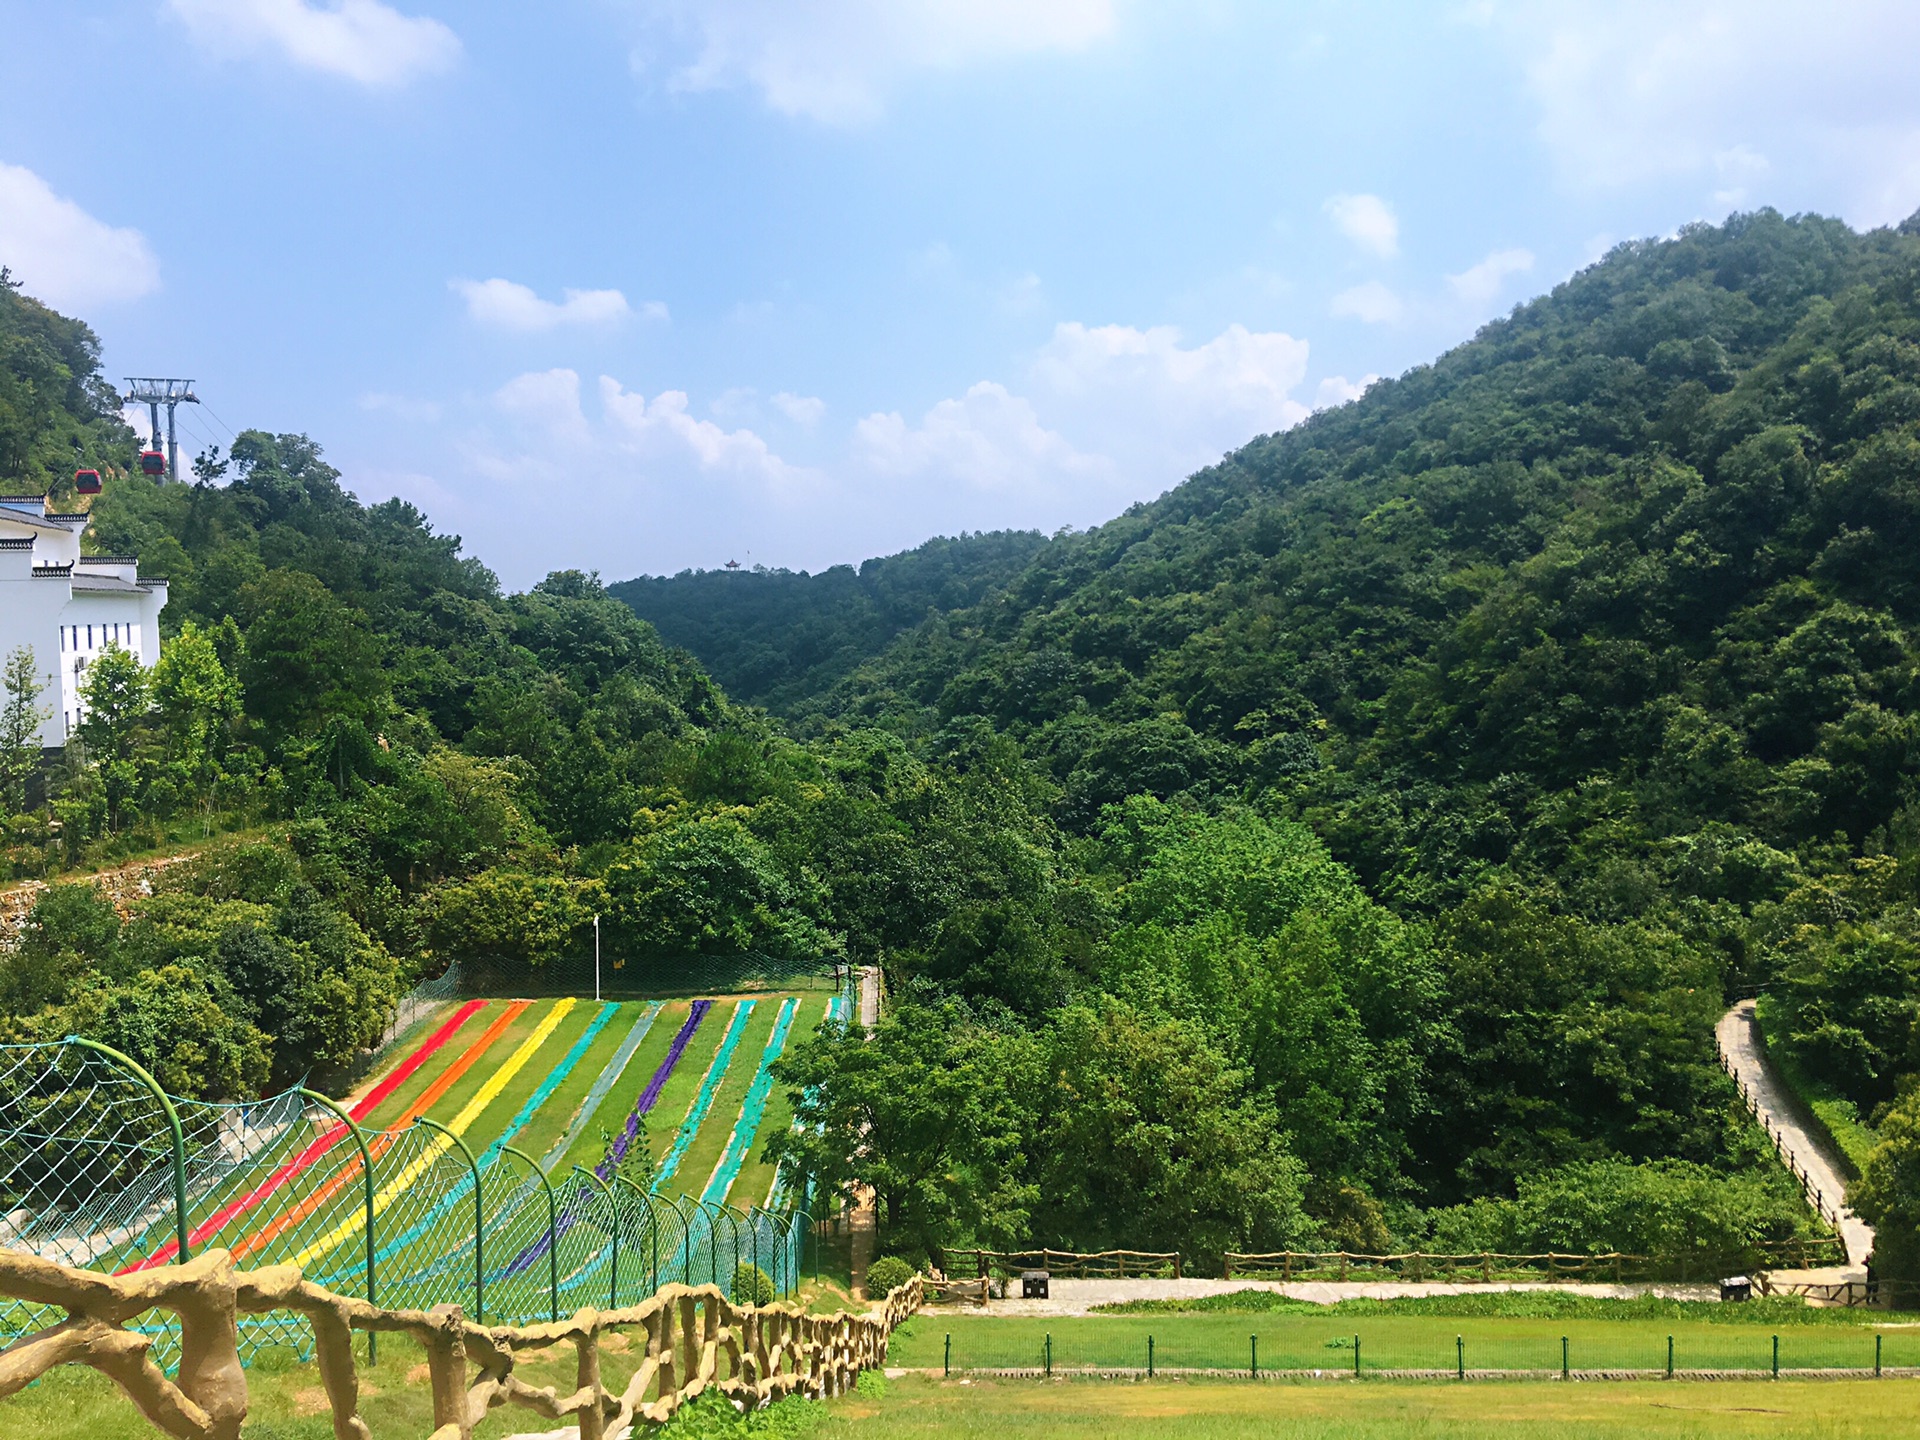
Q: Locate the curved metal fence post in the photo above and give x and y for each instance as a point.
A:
(803, 1222)
(713, 1253)
(182, 1231)
(686, 1249)
(479, 1219)
(753, 1240)
(553, 1229)
(613, 1291)
(366, 1174)
(651, 1221)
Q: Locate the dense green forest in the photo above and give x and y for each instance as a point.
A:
(778, 638)
(1354, 846)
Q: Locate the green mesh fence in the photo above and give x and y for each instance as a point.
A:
(93, 1174)
(629, 976)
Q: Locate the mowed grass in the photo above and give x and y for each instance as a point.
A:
(1342, 1410)
(677, 1097)
(611, 1118)
(287, 1403)
(710, 1141)
(1394, 1342)
(755, 1180)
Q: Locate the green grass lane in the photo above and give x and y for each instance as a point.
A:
(422, 1079)
(710, 1142)
(551, 1121)
(591, 1145)
(1316, 1342)
(756, 1176)
(677, 1095)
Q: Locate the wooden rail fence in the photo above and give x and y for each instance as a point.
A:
(696, 1340)
(1486, 1266)
(1102, 1264)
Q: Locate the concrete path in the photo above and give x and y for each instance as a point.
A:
(870, 997)
(1807, 1155)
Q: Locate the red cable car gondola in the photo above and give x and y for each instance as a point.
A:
(87, 482)
(153, 462)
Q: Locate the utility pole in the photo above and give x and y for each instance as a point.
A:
(153, 393)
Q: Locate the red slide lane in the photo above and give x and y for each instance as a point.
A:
(359, 1111)
(384, 1139)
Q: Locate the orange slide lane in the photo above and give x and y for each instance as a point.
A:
(381, 1141)
(401, 1073)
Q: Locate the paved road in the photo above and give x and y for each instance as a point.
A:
(1807, 1154)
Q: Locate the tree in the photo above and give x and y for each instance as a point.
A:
(1887, 1194)
(115, 703)
(933, 1112)
(20, 719)
(198, 700)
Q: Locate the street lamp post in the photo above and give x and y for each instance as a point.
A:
(596, 959)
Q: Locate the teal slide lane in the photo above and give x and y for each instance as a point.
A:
(487, 1157)
(777, 1196)
(703, 1102)
(740, 1143)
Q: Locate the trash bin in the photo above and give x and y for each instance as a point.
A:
(1033, 1284)
(1736, 1287)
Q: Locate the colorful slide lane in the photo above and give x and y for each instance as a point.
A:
(362, 1108)
(464, 1187)
(382, 1140)
(703, 1102)
(837, 1010)
(648, 1097)
(441, 1144)
(740, 1142)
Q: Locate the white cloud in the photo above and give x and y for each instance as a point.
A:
(1478, 285)
(504, 305)
(989, 439)
(1372, 302)
(360, 40)
(1338, 390)
(1821, 96)
(838, 61)
(1113, 413)
(1368, 221)
(62, 254)
(801, 409)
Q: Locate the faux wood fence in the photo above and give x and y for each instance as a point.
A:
(1419, 1265)
(696, 1340)
(1103, 1264)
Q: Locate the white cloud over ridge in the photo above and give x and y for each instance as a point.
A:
(1373, 303)
(1368, 221)
(1723, 91)
(838, 61)
(63, 255)
(1479, 284)
(365, 41)
(506, 305)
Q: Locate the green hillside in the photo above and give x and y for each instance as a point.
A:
(778, 637)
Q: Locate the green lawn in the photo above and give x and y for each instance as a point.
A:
(711, 1139)
(287, 1404)
(1326, 1342)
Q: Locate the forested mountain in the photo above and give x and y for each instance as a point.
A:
(1354, 846)
(777, 637)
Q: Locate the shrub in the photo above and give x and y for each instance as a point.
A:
(751, 1285)
(887, 1274)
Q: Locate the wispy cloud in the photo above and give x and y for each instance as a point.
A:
(1372, 303)
(1478, 285)
(839, 61)
(360, 40)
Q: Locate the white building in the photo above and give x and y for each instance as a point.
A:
(67, 607)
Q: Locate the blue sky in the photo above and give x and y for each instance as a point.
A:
(635, 285)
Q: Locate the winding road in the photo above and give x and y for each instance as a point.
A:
(1807, 1155)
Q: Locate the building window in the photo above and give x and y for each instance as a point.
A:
(89, 637)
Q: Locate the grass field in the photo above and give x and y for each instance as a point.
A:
(1325, 1342)
(287, 1404)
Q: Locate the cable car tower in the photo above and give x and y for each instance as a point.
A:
(153, 394)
